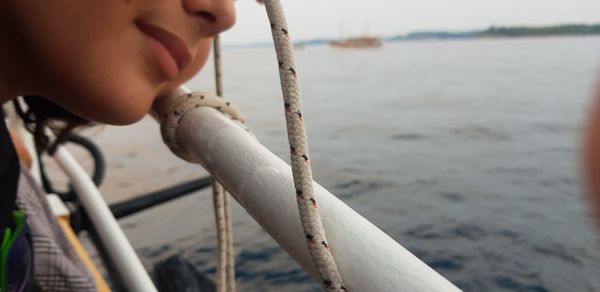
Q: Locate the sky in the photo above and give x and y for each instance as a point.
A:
(308, 19)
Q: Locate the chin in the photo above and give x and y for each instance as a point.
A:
(119, 118)
(127, 111)
(119, 104)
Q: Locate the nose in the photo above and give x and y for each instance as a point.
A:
(215, 16)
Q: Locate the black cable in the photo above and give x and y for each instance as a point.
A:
(97, 174)
(140, 203)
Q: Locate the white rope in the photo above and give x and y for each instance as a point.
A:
(222, 238)
(170, 120)
(226, 264)
(317, 243)
(171, 117)
(309, 215)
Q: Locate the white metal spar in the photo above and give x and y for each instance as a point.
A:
(261, 182)
(120, 250)
(117, 245)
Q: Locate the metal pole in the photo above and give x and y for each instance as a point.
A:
(261, 182)
(120, 250)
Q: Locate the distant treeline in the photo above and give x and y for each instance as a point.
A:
(493, 31)
(514, 31)
(568, 29)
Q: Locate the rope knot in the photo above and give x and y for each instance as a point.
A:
(171, 118)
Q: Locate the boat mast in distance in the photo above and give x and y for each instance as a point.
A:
(359, 42)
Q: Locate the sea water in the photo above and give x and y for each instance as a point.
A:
(465, 152)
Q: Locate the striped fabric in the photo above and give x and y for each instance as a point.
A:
(56, 264)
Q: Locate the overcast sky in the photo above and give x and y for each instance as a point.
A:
(334, 18)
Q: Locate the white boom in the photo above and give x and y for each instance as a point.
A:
(261, 182)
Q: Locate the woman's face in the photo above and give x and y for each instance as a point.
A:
(108, 60)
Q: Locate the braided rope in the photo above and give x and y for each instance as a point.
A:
(226, 264)
(230, 255)
(312, 225)
(170, 120)
(171, 117)
(218, 202)
(309, 215)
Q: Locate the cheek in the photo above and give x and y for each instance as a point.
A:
(91, 59)
(199, 62)
(110, 84)
(88, 57)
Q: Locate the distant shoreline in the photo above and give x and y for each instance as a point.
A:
(506, 32)
(491, 32)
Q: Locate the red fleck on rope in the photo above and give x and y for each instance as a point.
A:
(312, 225)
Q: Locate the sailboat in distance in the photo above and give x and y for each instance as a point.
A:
(357, 43)
(360, 42)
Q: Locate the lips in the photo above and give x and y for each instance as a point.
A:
(171, 52)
